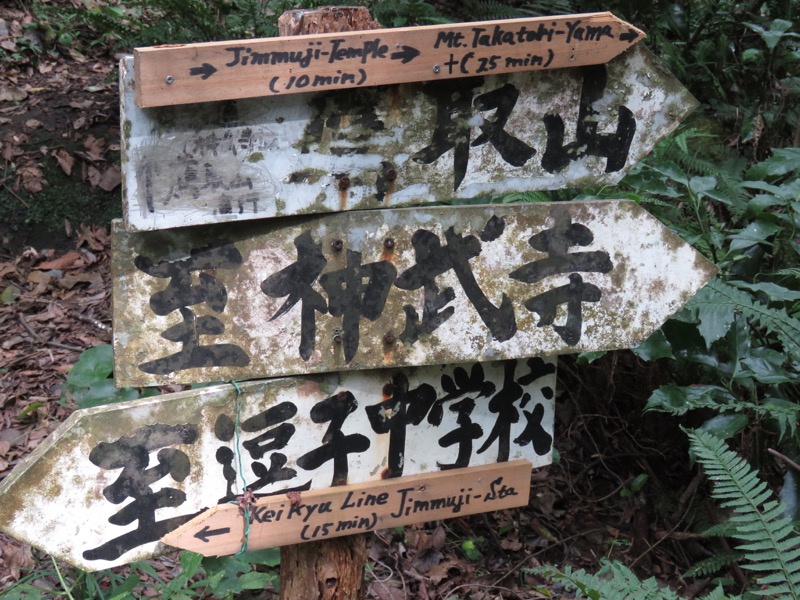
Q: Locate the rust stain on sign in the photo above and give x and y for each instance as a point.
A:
(289, 65)
(377, 147)
(112, 481)
(457, 284)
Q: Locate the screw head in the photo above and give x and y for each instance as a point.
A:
(344, 182)
(436, 68)
(388, 339)
(388, 243)
(170, 79)
(391, 175)
(337, 245)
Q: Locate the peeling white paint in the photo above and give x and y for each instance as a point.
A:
(54, 499)
(220, 162)
(654, 274)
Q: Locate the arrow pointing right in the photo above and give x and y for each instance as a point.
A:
(630, 36)
(206, 70)
(206, 532)
(406, 55)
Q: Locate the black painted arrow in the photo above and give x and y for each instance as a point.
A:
(406, 55)
(206, 70)
(206, 532)
(630, 36)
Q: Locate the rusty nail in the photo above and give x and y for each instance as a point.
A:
(388, 243)
(344, 182)
(388, 390)
(170, 79)
(388, 338)
(337, 339)
(391, 175)
(337, 245)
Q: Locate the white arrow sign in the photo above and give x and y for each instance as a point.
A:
(399, 287)
(112, 481)
(379, 147)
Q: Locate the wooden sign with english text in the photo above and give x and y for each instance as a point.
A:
(111, 481)
(407, 145)
(284, 519)
(212, 71)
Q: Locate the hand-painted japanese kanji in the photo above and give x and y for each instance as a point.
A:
(378, 147)
(112, 481)
(399, 287)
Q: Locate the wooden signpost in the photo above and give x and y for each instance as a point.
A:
(112, 481)
(170, 75)
(353, 448)
(399, 287)
(407, 145)
(296, 518)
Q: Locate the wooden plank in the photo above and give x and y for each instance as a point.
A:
(334, 512)
(396, 287)
(179, 455)
(381, 147)
(182, 74)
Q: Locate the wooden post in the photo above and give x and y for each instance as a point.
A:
(331, 569)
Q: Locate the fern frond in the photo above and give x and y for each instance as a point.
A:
(614, 581)
(719, 594)
(719, 299)
(770, 543)
(719, 530)
(712, 564)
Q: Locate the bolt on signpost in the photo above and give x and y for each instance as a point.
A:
(398, 341)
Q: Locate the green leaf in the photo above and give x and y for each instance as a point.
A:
(655, 347)
(123, 591)
(587, 358)
(766, 366)
(10, 294)
(715, 318)
(718, 302)
(725, 426)
(94, 365)
(755, 233)
(102, 393)
(782, 161)
(678, 400)
(775, 292)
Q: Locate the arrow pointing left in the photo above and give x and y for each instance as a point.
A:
(206, 70)
(206, 532)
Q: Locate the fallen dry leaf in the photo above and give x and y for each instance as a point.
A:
(9, 93)
(32, 178)
(112, 177)
(65, 160)
(93, 175)
(70, 260)
(17, 558)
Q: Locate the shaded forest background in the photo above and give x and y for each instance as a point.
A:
(716, 385)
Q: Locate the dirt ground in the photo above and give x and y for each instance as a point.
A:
(60, 135)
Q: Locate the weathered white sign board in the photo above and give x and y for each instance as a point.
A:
(113, 480)
(295, 518)
(181, 74)
(397, 287)
(385, 147)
